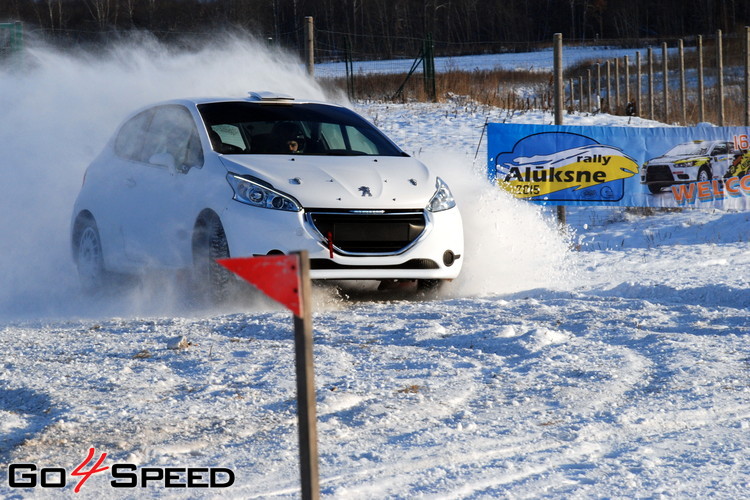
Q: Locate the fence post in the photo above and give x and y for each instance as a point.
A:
(683, 90)
(309, 46)
(617, 85)
(349, 69)
(572, 95)
(599, 87)
(428, 53)
(650, 84)
(558, 79)
(747, 76)
(580, 93)
(588, 89)
(665, 78)
(720, 77)
(609, 86)
(638, 83)
(701, 90)
(626, 60)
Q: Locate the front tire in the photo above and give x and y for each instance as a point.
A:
(704, 174)
(430, 288)
(209, 244)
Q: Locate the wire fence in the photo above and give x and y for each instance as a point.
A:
(684, 81)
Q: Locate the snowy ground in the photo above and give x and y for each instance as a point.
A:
(610, 361)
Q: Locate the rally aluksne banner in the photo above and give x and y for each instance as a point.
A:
(700, 166)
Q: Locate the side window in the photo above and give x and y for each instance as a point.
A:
(720, 149)
(359, 142)
(129, 141)
(331, 132)
(173, 131)
(229, 134)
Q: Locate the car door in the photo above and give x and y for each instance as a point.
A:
(158, 228)
(721, 158)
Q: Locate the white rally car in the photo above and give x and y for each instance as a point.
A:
(688, 162)
(188, 181)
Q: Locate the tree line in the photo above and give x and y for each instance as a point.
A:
(382, 27)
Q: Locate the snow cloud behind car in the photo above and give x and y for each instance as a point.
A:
(63, 106)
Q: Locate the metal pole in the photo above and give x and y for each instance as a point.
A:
(701, 90)
(720, 78)
(309, 46)
(303, 342)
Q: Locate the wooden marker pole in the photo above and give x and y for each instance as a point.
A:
(286, 279)
(306, 414)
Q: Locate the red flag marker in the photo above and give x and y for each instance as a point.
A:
(275, 275)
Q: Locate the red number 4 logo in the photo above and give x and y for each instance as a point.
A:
(85, 474)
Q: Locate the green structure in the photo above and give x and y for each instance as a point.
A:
(426, 58)
(11, 38)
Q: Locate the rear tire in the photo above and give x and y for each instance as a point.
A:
(210, 243)
(89, 256)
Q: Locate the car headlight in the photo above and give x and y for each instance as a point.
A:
(256, 194)
(442, 199)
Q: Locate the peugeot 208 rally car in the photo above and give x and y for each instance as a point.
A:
(188, 181)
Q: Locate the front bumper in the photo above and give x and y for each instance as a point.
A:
(437, 253)
(667, 175)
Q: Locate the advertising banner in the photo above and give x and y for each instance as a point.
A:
(700, 166)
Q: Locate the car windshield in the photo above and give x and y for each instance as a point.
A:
(307, 129)
(688, 149)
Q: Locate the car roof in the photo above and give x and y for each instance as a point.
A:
(253, 96)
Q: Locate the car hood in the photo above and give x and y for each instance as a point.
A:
(341, 181)
(676, 159)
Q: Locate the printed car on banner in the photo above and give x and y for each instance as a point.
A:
(628, 166)
(688, 162)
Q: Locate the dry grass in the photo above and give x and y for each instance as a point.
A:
(502, 88)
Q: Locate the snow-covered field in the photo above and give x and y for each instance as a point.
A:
(609, 361)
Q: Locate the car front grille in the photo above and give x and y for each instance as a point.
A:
(658, 173)
(325, 264)
(368, 232)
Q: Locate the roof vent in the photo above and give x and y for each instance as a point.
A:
(269, 96)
